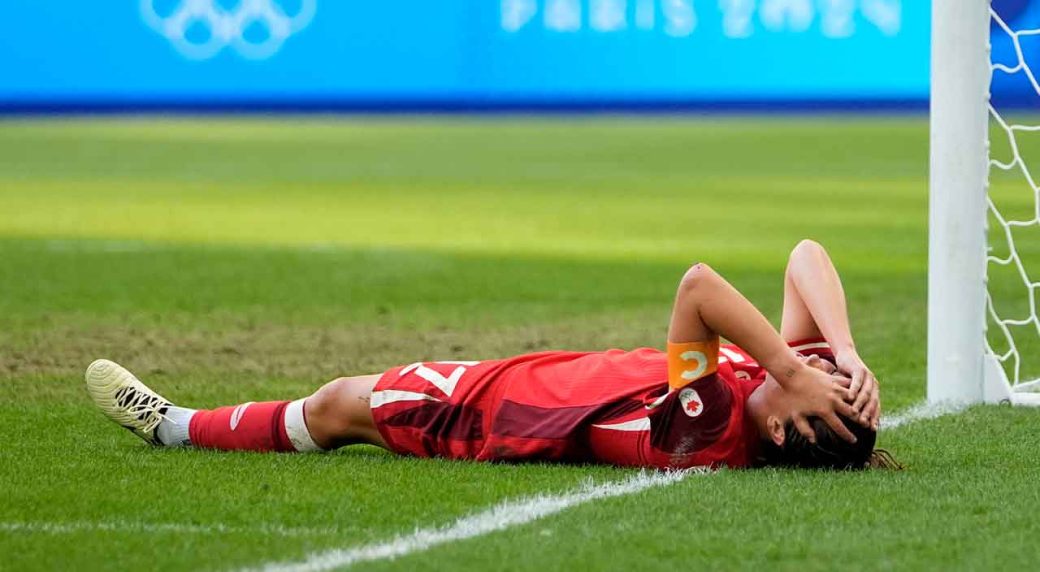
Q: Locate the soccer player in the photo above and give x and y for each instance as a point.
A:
(799, 397)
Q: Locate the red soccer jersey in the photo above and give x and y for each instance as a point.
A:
(609, 407)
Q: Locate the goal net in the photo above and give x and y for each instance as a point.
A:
(1013, 206)
(984, 245)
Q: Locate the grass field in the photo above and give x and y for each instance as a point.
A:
(233, 260)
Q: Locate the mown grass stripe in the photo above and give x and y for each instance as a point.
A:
(130, 527)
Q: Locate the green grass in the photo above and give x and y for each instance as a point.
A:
(233, 260)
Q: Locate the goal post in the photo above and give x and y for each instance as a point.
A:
(957, 199)
(961, 366)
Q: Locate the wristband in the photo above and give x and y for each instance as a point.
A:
(690, 361)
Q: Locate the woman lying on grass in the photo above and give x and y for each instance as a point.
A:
(801, 397)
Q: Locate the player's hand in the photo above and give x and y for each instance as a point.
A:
(864, 390)
(816, 393)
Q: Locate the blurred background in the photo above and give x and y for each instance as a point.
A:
(465, 55)
(460, 54)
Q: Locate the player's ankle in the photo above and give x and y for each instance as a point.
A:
(173, 430)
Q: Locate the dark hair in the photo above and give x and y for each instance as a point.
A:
(829, 452)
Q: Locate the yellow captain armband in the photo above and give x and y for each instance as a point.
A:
(690, 361)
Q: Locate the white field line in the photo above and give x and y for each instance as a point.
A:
(924, 410)
(499, 517)
(160, 528)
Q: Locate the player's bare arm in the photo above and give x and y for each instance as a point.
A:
(707, 306)
(814, 306)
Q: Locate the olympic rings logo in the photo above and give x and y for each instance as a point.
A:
(227, 27)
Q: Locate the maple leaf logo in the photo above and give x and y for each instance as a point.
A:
(691, 402)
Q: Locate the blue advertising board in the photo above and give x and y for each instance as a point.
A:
(463, 53)
(1010, 85)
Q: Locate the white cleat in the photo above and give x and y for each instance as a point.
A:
(125, 400)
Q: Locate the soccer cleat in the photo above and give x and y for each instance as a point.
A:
(125, 400)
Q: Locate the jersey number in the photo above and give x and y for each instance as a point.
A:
(445, 384)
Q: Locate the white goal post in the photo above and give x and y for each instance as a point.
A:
(962, 367)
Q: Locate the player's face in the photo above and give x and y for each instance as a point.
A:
(815, 361)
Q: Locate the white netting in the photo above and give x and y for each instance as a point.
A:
(1013, 336)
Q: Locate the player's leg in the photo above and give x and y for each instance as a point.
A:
(336, 415)
(339, 413)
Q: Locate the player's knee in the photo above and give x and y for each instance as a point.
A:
(698, 276)
(328, 409)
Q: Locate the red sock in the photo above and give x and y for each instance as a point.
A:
(249, 427)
